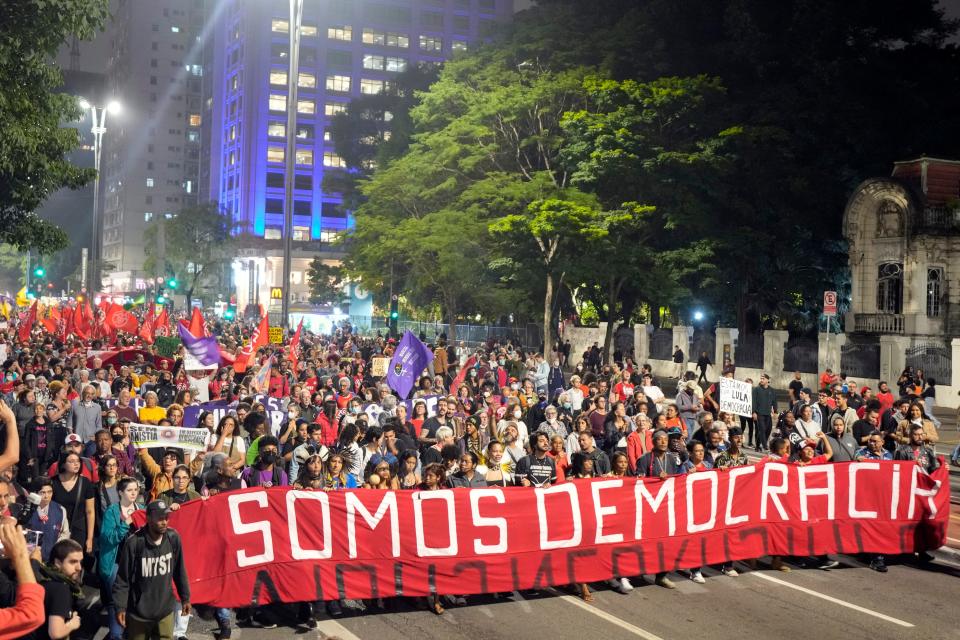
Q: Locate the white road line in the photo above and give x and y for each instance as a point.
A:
(842, 603)
(612, 619)
(524, 605)
(327, 628)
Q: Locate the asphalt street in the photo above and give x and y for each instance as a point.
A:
(851, 602)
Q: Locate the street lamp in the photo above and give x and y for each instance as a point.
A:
(293, 76)
(98, 128)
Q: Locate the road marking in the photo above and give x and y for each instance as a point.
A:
(842, 603)
(603, 615)
(327, 628)
(524, 605)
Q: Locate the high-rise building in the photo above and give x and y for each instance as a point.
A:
(150, 164)
(348, 48)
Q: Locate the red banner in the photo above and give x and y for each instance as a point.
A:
(267, 545)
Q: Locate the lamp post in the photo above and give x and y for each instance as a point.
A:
(293, 76)
(98, 128)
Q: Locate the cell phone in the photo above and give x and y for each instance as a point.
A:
(33, 539)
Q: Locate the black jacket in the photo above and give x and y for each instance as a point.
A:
(145, 572)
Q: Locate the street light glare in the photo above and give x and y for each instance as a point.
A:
(84, 104)
(114, 107)
(698, 315)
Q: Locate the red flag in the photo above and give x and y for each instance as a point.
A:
(49, 320)
(161, 325)
(295, 349)
(461, 376)
(26, 325)
(146, 327)
(257, 340)
(82, 321)
(198, 327)
(119, 319)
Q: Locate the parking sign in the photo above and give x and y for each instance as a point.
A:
(830, 303)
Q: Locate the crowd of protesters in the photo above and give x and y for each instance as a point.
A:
(497, 415)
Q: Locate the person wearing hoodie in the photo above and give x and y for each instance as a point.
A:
(842, 442)
(149, 559)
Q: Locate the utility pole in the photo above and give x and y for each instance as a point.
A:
(293, 77)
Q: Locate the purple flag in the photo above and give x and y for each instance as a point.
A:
(205, 349)
(409, 361)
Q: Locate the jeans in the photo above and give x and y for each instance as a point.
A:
(691, 427)
(223, 621)
(106, 596)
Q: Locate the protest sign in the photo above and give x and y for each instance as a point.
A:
(259, 546)
(145, 436)
(736, 397)
(166, 346)
(276, 335)
(379, 366)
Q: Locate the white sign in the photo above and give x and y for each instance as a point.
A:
(736, 397)
(830, 303)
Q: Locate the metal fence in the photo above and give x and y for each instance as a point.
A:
(800, 354)
(529, 336)
(935, 357)
(860, 357)
(749, 351)
(703, 341)
(661, 344)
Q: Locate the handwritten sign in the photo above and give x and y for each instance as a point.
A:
(276, 335)
(736, 397)
(379, 366)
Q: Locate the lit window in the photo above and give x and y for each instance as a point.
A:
(305, 131)
(333, 108)
(233, 132)
(278, 102)
(149, 182)
(301, 233)
(431, 43)
(175, 29)
(272, 233)
(330, 159)
(459, 45)
(327, 137)
(233, 158)
(188, 186)
(280, 26)
(275, 154)
(307, 80)
(305, 157)
(371, 36)
(398, 65)
(276, 130)
(328, 236)
(194, 119)
(387, 116)
(193, 136)
(371, 61)
(308, 30)
(306, 106)
(340, 32)
(371, 87)
(338, 83)
(278, 77)
(234, 83)
(148, 216)
(399, 40)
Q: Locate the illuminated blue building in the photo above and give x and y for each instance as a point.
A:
(348, 48)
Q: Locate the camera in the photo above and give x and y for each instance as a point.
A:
(21, 511)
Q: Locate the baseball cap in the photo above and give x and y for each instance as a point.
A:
(158, 508)
(30, 376)
(72, 438)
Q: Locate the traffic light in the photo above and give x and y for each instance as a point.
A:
(230, 313)
(161, 299)
(172, 282)
(394, 314)
(39, 272)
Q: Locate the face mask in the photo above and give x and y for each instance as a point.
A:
(292, 415)
(502, 362)
(111, 421)
(473, 374)
(486, 394)
(566, 405)
(268, 457)
(368, 397)
(514, 386)
(517, 414)
(354, 409)
(117, 437)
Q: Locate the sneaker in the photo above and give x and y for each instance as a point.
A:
(877, 564)
(697, 577)
(625, 586)
(829, 564)
(265, 624)
(333, 608)
(311, 623)
(923, 556)
(777, 565)
(665, 582)
(730, 572)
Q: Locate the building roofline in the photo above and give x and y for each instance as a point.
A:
(926, 159)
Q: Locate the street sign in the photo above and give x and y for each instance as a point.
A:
(830, 303)
(276, 335)
(276, 293)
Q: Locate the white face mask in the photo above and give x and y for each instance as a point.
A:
(517, 414)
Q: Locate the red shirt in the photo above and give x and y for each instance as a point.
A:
(624, 391)
(25, 615)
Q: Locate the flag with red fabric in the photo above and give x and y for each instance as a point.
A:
(161, 325)
(295, 349)
(258, 339)
(197, 326)
(146, 326)
(119, 319)
(26, 324)
(49, 319)
(462, 375)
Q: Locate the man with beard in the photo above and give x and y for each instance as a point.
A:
(61, 580)
(660, 463)
(149, 560)
(537, 469)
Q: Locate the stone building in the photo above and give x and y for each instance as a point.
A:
(904, 251)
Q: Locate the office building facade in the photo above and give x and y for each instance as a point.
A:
(349, 48)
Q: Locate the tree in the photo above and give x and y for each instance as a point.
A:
(326, 282)
(13, 268)
(191, 246)
(34, 144)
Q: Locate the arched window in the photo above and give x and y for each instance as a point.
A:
(890, 287)
(935, 283)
